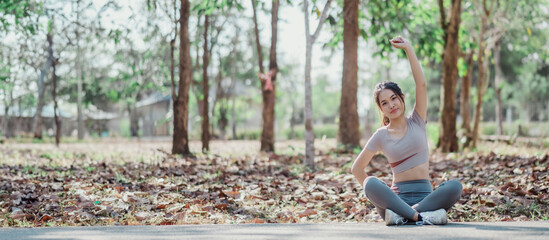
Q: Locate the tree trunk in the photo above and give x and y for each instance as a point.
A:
(172, 52)
(482, 79)
(465, 96)
(134, 121)
(37, 126)
(220, 100)
(80, 119)
(268, 87)
(309, 133)
(292, 121)
(205, 88)
(233, 118)
(231, 91)
(54, 96)
(448, 138)
(257, 42)
(5, 120)
(181, 104)
(349, 134)
(498, 81)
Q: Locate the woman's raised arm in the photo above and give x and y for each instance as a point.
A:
(421, 85)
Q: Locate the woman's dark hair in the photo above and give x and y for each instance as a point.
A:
(393, 87)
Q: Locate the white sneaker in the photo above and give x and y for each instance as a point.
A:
(391, 218)
(438, 217)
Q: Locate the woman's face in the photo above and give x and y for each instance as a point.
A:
(391, 105)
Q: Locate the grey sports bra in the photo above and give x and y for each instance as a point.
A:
(407, 152)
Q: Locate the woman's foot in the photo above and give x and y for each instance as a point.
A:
(438, 217)
(391, 218)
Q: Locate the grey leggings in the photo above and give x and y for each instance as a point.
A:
(411, 192)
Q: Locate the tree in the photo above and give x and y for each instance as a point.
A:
(79, 117)
(37, 126)
(205, 83)
(309, 134)
(467, 52)
(180, 143)
(349, 134)
(56, 119)
(7, 84)
(268, 80)
(448, 137)
(482, 82)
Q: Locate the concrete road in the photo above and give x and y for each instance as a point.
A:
(494, 230)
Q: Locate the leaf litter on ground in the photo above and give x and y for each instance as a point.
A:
(94, 186)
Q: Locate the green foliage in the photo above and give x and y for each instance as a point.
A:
(433, 133)
(388, 19)
(207, 7)
(19, 13)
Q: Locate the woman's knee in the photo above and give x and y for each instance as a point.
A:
(453, 187)
(371, 183)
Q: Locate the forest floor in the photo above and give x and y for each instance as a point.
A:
(138, 182)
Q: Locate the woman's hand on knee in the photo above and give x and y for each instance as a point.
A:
(395, 189)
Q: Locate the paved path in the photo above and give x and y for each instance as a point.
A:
(497, 230)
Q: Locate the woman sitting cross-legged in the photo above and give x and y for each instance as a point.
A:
(403, 141)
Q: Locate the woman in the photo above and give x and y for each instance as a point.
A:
(403, 141)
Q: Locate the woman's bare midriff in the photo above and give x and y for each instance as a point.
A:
(418, 172)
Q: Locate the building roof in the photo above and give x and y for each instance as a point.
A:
(153, 98)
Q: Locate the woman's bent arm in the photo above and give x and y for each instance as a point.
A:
(360, 164)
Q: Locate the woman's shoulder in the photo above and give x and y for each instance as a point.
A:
(415, 118)
(383, 128)
(380, 130)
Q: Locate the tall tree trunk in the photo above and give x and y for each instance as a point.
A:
(221, 98)
(233, 83)
(205, 88)
(349, 134)
(448, 138)
(172, 51)
(309, 133)
(181, 104)
(498, 81)
(42, 88)
(80, 119)
(482, 82)
(268, 87)
(465, 96)
(55, 107)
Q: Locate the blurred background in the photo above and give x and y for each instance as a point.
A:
(108, 69)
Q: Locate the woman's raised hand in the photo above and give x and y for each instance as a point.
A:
(401, 43)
